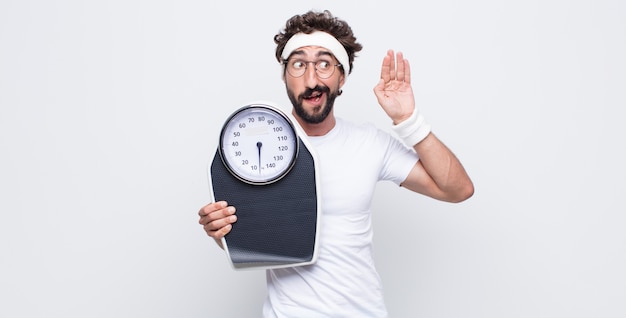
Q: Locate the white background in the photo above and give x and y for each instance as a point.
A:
(109, 112)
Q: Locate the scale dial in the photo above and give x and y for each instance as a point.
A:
(258, 144)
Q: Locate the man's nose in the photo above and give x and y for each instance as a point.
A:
(310, 75)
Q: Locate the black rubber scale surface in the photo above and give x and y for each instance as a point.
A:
(276, 223)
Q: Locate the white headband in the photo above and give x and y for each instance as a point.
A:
(318, 38)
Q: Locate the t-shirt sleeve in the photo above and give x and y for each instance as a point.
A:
(398, 159)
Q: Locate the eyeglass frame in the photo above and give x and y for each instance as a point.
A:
(306, 65)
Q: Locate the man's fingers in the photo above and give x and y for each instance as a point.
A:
(215, 216)
(219, 233)
(399, 67)
(205, 210)
(386, 69)
(217, 224)
(392, 65)
(395, 68)
(407, 72)
(226, 215)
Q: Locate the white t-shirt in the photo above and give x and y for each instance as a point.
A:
(343, 282)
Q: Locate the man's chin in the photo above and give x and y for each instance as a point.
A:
(318, 115)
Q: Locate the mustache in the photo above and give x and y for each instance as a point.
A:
(309, 91)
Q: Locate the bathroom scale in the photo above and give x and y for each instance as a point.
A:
(265, 167)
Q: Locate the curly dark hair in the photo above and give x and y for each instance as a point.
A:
(318, 21)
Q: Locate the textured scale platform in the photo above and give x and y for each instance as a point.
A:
(276, 223)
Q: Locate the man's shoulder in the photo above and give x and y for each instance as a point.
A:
(364, 131)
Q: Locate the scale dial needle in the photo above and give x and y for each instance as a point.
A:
(259, 145)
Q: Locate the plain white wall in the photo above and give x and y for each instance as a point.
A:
(109, 110)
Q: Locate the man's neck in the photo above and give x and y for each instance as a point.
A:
(319, 129)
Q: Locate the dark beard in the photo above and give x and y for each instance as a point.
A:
(312, 118)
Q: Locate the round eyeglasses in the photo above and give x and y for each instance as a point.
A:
(323, 69)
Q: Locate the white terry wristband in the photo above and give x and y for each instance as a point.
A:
(412, 130)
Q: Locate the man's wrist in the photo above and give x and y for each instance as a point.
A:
(412, 130)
